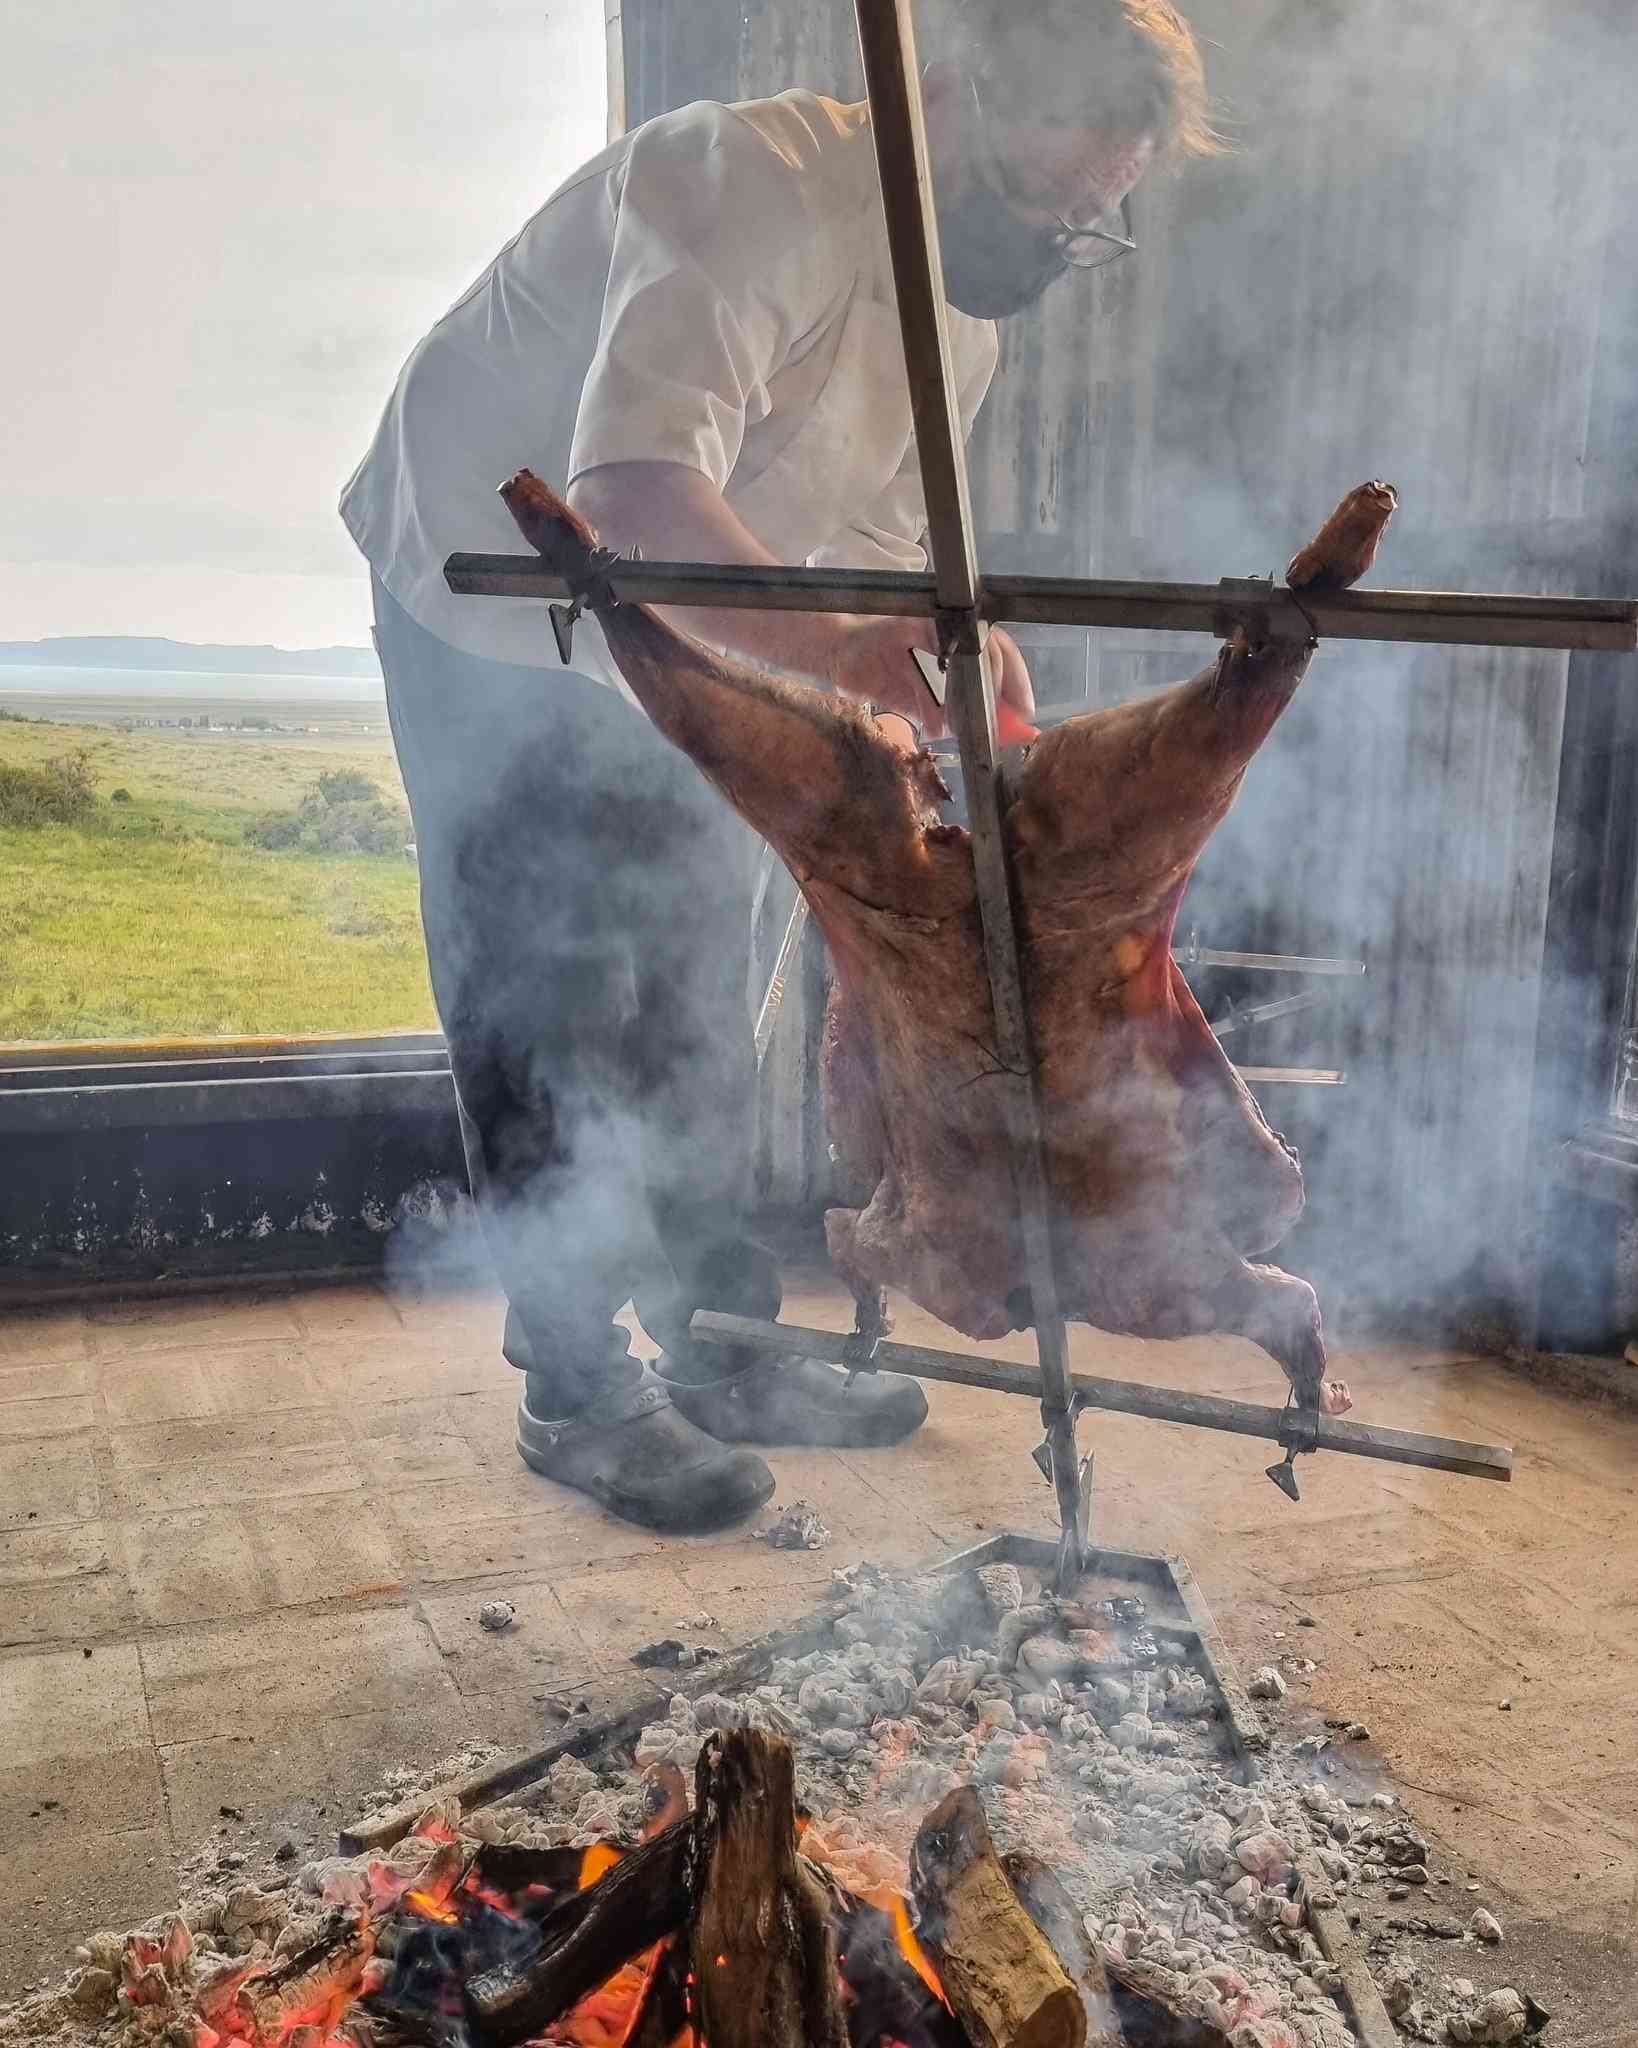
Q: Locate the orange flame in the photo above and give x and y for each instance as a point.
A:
(430, 1908)
(596, 1862)
(904, 1936)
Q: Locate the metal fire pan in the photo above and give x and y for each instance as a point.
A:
(1177, 1611)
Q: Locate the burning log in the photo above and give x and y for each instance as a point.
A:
(1007, 1986)
(585, 1939)
(514, 1867)
(764, 1952)
(315, 1983)
(662, 2016)
(1042, 1896)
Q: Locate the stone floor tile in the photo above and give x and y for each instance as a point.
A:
(487, 1490)
(464, 1530)
(51, 1379)
(745, 1607)
(543, 1648)
(333, 1313)
(615, 1609)
(52, 1415)
(356, 1372)
(42, 1336)
(254, 1676)
(196, 1565)
(64, 1703)
(1406, 1640)
(60, 1884)
(112, 1789)
(391, 1463)
(739, 1560)
(480, 1313)
(46, 1480)
(1527, 1623)
(171, 1470)
(60, 1584)
(203, 1564)
(517, 1722)
(36, 1556)
(487, 1418)
(119, 1330)
(1315, 1551)
(414, 1415)
(162, 1385)
(281, 1776)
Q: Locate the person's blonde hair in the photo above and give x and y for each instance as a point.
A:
(1132, 65)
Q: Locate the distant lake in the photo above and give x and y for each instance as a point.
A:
(47, 679)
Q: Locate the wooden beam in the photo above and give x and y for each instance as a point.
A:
(1124, 1397)
(1428, 617)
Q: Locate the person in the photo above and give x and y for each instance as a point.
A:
(697, 336)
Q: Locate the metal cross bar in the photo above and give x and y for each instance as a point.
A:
(1128, 1397)
(1433, 617)
(888, 45)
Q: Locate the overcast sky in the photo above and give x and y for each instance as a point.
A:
(223, 224)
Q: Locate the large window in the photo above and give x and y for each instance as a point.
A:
(235, 223)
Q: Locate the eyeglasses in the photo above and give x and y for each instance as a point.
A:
(1082, 245)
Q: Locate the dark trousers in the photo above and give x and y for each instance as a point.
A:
(586, 900)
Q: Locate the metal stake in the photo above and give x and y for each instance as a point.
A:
(887, 40)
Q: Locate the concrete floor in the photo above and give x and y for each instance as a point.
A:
(244, 1540)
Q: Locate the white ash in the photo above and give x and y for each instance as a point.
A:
(1003, 1588)
(1498, 2017)
(798, 1527)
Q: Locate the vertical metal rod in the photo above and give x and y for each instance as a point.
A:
(887, 41)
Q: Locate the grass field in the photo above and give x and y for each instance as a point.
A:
(154, 918)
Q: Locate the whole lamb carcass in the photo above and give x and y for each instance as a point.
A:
(1165, 1179)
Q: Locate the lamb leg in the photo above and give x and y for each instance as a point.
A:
(811, 772)
(1121, 802)
(1281, 1313)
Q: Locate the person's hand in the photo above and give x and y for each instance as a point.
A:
(1014, 691)
(874, 663)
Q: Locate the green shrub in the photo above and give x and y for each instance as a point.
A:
(275, 830)
(346, 786)
(344, 812)
(59, 792)
(120, 796)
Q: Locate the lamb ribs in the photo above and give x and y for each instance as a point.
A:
(1167, 1182)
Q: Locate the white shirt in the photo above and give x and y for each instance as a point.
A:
(713, 290)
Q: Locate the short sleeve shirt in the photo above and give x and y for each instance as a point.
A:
(713, 290)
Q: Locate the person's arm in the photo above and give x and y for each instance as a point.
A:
(677, 515)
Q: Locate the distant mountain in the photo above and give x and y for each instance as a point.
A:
(111, 650)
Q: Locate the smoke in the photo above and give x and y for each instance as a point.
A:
(1404, 268)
